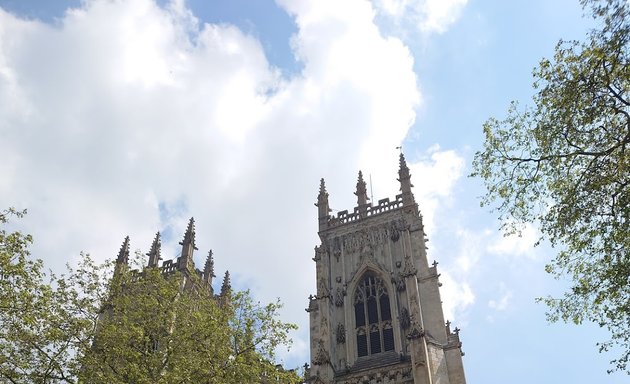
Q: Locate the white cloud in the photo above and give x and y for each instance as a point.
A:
(521, 245)
(502, 303)
(457, 296)
(434, 176)
(426, 15)
(126, 118)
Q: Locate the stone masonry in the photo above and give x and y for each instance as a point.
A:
(377, 315)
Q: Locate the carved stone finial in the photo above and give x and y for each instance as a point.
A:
(155, 252)
(404, 177)
(188, 247)
(226, 287)
(362, 198)
(123, 254)
(322, 205)
(208, 269)
(189, 236)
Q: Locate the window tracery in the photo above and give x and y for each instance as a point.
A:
(373, 319)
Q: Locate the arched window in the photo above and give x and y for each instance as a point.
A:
(373, 318)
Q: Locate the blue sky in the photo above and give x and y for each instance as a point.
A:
(124, 118)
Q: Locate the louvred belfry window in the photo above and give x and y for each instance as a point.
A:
(373, 319)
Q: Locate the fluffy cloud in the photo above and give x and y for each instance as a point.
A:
(518, 245)
(127, 118)
(427, 15)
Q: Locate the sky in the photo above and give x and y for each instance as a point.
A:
(128, 117)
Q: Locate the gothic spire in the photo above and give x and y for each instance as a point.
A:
(404, 177)
(208, 270)
(123, 254)
(226, 287)
(322, 205)
(155, 252)
(188, 246)
(361, 193)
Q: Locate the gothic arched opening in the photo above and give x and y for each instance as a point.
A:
(373, 318)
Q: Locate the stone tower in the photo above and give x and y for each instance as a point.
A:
(184, 263)
(377, 316)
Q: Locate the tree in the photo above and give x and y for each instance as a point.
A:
(563, 164)
(137, 327)
(153, 331)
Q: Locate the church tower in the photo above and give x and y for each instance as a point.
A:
(377, 316)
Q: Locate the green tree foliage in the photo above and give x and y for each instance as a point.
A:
(42, 323)
(563, 164)
(153, 331)
(138, 327)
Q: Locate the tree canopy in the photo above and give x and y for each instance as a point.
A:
(563, 165)
(137, 327)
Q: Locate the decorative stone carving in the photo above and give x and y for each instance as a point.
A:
(416, 332)
(337, 248)
(319, 253)
(398, 282)
(341, 333)
(410, 269)
(312, 303)
(394, 234)
(321, 357)
(405, 318)
(339, 294)
(322, 289)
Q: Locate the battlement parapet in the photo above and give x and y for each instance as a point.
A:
(384, 205)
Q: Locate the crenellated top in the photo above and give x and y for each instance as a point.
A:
(364, 208)
(184, 263)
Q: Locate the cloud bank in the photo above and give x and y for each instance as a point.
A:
(128, 118)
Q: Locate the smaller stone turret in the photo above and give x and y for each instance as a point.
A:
(404, 177)
(322, 205)
(185, 261)
(226, 287)
(123, 254)
(208, 270)
(155, 252)
(362, 198)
